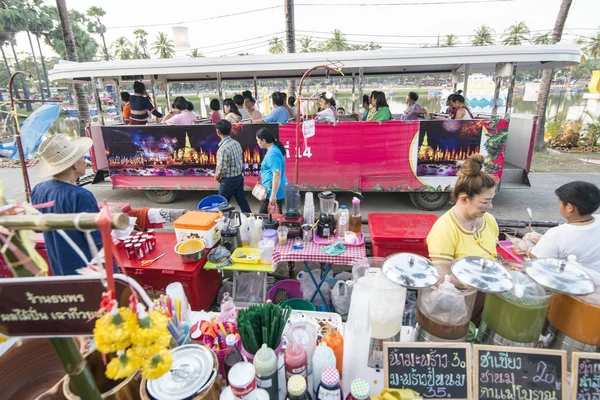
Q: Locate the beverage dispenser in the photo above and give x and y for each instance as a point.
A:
(327, 216)
(444, 312)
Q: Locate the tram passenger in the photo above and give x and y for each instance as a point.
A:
(215, 115)
(279, 113)
(450, 110)
(365, 107)
(327, 109)
(341, 111)
(238, 99)
(250, 106)
(462, 111)
(292, 103)
(467, 229)
(380, 105)
(126, 107)
(231, 112)
(577, 202)
(141, 105)
(414, 109)
(287, 106)
(181, 113)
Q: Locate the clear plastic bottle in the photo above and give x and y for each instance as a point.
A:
(343, 222)
(356, 217)
(228, 309)
(322, 358)
(233, 355)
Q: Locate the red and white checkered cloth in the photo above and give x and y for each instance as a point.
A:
(312, 253)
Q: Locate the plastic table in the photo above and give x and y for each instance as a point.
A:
(313, 252)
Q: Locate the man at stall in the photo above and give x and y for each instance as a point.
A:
(577, 202)
(467, 229)
(229, 167)
(279, 113)
(62, 159)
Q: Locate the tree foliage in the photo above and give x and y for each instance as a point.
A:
(516, 34)
(86, 45)
(483, 36)
(163, 47)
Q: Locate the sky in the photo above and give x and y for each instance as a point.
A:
(391, 23)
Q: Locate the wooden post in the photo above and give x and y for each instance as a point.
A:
(290, 36)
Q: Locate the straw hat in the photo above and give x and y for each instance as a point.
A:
(58, 153)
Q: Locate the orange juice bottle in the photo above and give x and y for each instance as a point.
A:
(335, 341)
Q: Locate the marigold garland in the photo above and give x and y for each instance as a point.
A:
(157, 366)
(124, 365)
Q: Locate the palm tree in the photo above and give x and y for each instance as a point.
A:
(542, 38)
(140, 36)
(163, 47)
(40, 24)
(338, 41)
(195, 53)
(483, 36)
(516, 34)
(451, 40)
(593, 46)
(122, 48)
(276, 46)
(306, 45)
(96, 26)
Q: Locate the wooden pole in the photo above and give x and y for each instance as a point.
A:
(18, 142)
(50, 222)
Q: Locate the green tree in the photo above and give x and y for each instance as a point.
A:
(142, 41)
(592, 47)
(483, 36)
(195, 53)
(40, 24)
(276, 46)
(163, 47)
(122, 48)
(96, 26)
(338, 41)
(516, 34)
(86, 46)
(544, 38)
(450, 41)
(306, 45)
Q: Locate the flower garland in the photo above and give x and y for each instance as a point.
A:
(140, 340)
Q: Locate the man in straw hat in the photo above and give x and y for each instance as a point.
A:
(62, 159)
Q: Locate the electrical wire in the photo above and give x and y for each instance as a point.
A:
(400, 4)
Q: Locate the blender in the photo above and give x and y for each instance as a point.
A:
(292, 218)
(444, 312)
(327, 217)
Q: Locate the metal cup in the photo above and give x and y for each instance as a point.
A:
(307, 233)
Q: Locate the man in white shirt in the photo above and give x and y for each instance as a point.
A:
(238, 99)
(580, 236)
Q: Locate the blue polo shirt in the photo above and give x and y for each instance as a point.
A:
(278, 115)
(274, 161)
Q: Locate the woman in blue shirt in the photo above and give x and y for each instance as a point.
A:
(272, 170)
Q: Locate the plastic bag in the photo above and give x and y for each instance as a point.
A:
(309, 288)
(446, 305)
(343, 276)
(341, 294)
(249, 288)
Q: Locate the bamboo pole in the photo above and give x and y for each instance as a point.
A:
(50, 222)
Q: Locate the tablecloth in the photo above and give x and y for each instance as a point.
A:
(312, 253)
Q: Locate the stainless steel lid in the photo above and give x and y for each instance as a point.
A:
(192, 368)
(410, 270)
(482, 274)
(560, 276)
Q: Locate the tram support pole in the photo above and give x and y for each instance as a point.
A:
(353, 93)
(466, 81)
(220, 88)
(511, 90)
(360, 84)
(98, 101)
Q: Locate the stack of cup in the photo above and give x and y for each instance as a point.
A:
(309, 209)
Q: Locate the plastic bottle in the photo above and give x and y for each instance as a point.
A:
(233, 355)
(265, 363)
(297, 389)
(322, 358)
(228, 310)
(360, 390)
(329, 388)
(335, 341)
(309, 209)
(343, 222)
(295, 361)
(356, 217)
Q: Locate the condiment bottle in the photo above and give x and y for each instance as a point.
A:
(359, 390)
(356, 217)
(343, 223)
(233, 355)
(322, 358)
(228, 310)
(265, 363)
(295, 361)
(335, 341)
(329, 388)
(297, 389)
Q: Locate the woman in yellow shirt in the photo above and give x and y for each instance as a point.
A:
(467, 229)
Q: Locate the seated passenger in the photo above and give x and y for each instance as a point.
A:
(141, 106)
(414, 109)
(462, 111)
(181, 114)
(238, 99)
(380, 105)
(215, 115)
(292, 103)
(279, 113)
(249, 105)
(577, 201)
(327, 112)
(341, 111)
(231, 112)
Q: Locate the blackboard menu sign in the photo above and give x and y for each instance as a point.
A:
(434, 370)
(519, 373)
(585, 384)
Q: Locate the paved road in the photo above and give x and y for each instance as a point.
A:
(508, 204)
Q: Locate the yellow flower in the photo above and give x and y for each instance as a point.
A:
(113, 332)
(124, 365)
(158, 365)
(153, 347)
(149, 329)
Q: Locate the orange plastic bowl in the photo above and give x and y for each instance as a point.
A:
(191, 250)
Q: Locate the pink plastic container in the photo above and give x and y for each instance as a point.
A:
(291, 286)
